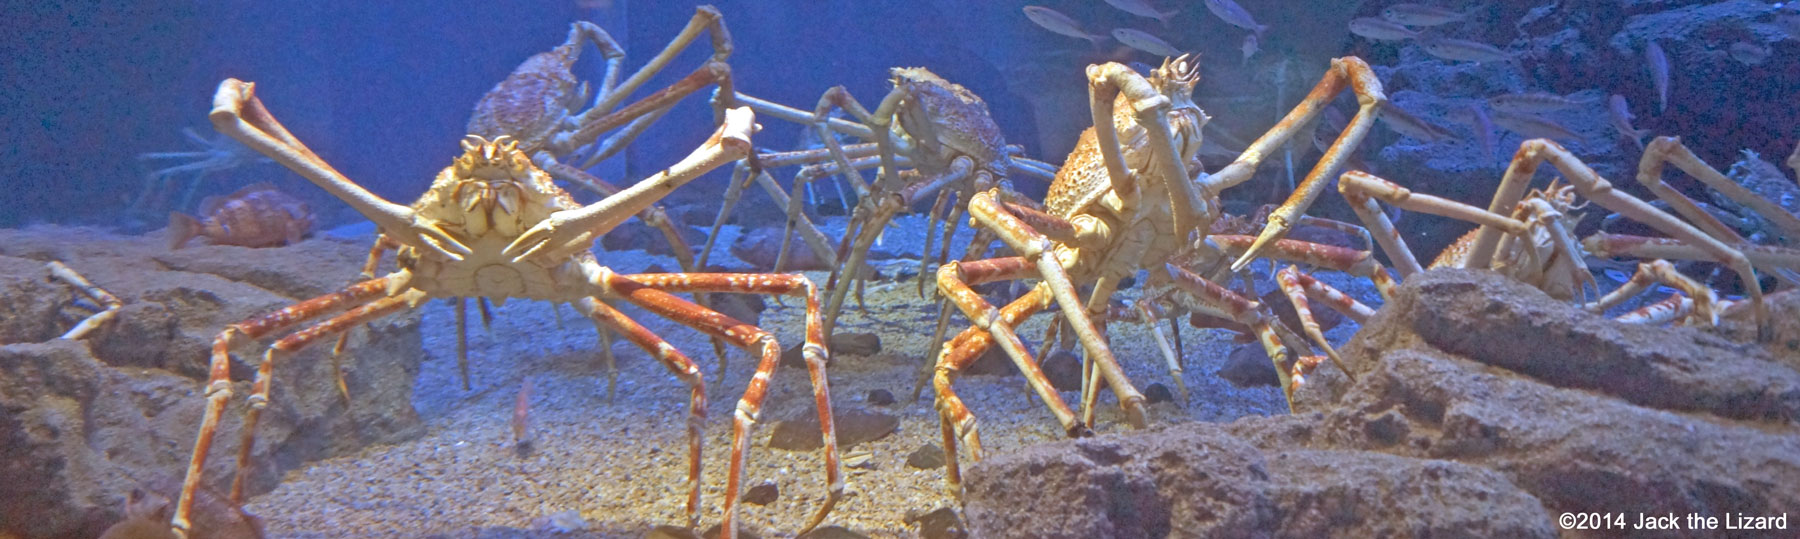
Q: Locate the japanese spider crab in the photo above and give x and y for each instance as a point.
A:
(928, 136)
(494, 225)
(1123, 200)
(1527, 235)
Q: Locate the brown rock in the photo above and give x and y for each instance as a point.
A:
(854, 426)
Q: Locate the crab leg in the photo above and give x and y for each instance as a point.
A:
(1347, 71)
(1777, 260)
(706, 18)
(1276, 339)
(1705, 304)
(1670, 150)
(869, 227)
(238, 113)
(989, 326)
(1105, 83)
(651, 291)
(109, 303)
(1662, 312)
(567, 231)
(605, 317)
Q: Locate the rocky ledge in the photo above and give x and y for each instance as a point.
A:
(1480, 408)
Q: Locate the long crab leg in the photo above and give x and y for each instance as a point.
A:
(1349, 72)
(1277, 340)
(707, 19)
(218, 386)
(989, 326)
(1771, 258)
(568, 231)
(651, 291)
(1670, 150)
(1704, 306)
(1105, 83)
(605, 318)
(713, 72)
(109, 303)
(238, 113)
(869, 227)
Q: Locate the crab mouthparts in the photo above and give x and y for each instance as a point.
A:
(488, 194)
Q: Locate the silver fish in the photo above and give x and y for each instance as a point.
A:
(1055, 21)
(1533, 102)
(1234, 14)
(1659, 74)
(1381, 29)
(1620, 114)
(1749, 53)
(1533, 126)
(1536, 13)
(1142, 8)
(1421, 15)
(1414, 127)
(1140, 40)
(1479, 123)
(1463, 50)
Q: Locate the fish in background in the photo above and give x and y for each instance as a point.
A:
(1658, 62)
(1250, 47)
(1142, 8)
(1234, 14)
(1462, 50)
(1620, 114)
(1143, 41)
(256, 216)
(1412, 126)
(1421, 15)
(1055, 21)
(1533, 126)
(1533, 102)
(1381, 29)
(1479, 123)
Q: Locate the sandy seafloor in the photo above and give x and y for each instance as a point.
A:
(621, 466)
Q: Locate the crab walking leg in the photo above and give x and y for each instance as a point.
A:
(1597, 189)
(1275, 338)
(713, 72)
(1347, 71)
(1105, 83)
(291, 344)
(796, 215)
(110, 304)
(1780, 261)
(734, 190)
(1705, 301)
(814, 238)
(1667, 310)
(707, 19)
(1289, 281)
(1170, 355)
(1030, 244)
(871, 226)
(1378, 224)
(1355, 262)
(218, 385)
(239, 114)
(1670, 150)
(652, 292)
(1362, 186)
(931, 227)
(606, 318)
(567, 231)
(988, 327)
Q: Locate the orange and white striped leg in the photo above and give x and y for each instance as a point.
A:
(1277, 340)
(109, 304)
(606, 317)
(1705, 301)
(652, 292)
(218, 385)
(1676, 306)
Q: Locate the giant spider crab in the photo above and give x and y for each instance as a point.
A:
(1125, 200)
(494, 225)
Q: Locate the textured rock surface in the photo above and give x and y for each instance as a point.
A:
(82, 423)
(1481, 408)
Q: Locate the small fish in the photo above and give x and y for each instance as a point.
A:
(1462, 50)
(1143, 41)
(1533, 126)
(1532, 102)
(1412, 126)
(1055, 21)
(1620, 113)
(1535, 14)
(1250, 47)
(1480, 124)
(1659, 74)
(1381, 29)
(521, 418)
(255, 216)
(1142, 8)
(1421, 15)
(1234, 14)
(1749, 53)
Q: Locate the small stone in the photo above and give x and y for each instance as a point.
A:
(713, 533)
(854, 426)
(942, 523)
(832, 532)
(1249, 366)
(763, 494)
(993, 361)
(880, 397)
(926, 458)
(1155, 393)
(1388, 427)
(855, 344)
(1064, 370)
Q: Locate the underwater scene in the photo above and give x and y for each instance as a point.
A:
(790, 268)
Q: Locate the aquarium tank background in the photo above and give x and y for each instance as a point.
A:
(1608, 367)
